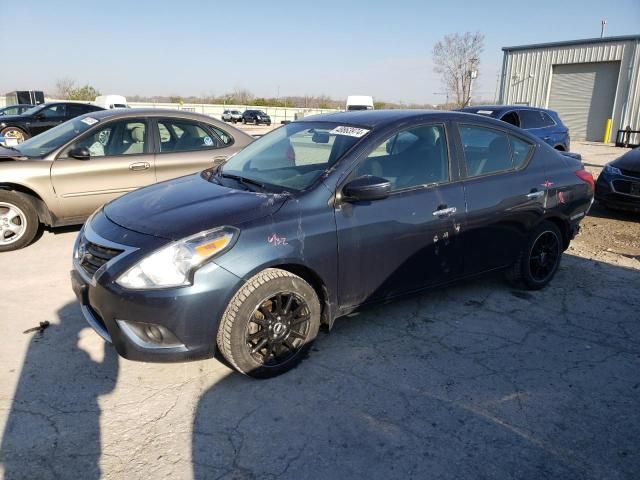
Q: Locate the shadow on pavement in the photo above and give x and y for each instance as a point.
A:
(473, 381)
(53, 429)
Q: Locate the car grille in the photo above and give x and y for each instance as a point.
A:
(629, 173)
(625, 186)
(93, 256)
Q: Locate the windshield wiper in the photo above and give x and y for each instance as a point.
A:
(243, 180)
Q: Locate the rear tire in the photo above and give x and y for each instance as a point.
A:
(269, 324)
(19, 223)
(538, 262)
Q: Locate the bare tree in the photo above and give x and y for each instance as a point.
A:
(242, 96)
(457, 58)
(64, 88)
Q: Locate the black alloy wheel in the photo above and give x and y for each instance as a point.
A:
(278, 329)
(544, 256)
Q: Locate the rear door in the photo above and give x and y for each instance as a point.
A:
(121, 161)
(505, 190)
(187, 146)
(408, 240)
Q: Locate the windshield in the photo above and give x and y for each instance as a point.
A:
(293, 156)
(46, 142)
(33, 110)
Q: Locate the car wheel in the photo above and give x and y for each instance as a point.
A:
(14, 132)
(244, 121)
(539, 260)
(270, 324)
(18, 221)
(268, 124)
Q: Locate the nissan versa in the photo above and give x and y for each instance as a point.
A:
(315, 219)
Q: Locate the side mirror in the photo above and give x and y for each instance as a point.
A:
(80, 153)
(368, 187)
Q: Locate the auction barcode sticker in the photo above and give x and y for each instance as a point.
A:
(89, 121)
(349, 131)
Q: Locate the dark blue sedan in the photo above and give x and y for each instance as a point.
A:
(316, 219)
(542, 123)
(618, 185)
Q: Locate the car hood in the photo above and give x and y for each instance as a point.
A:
(188, 205)
(8, 154)
(629, 161)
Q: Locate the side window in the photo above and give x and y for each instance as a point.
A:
(547, 121)
(123, 137)
(511, 118)
(521, 150)
(531, 119)
(76, 110)
(54, 111)
(410, 158)
(178, 135)
(224, 136)
(489, 151)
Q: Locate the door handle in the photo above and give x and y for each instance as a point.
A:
(443, 211)
(535, 194)
(139, 166)
(546, 138)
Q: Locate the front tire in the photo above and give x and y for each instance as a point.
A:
(269, 324)
(15, 132)
(539, 260)
(18, 221)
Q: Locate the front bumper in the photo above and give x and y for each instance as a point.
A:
(607, 194)
(191, 314)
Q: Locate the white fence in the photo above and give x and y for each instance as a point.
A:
(277, 114)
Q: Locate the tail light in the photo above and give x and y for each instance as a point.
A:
(587, 178)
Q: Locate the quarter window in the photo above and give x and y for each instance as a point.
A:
(547, 121)
(410, 158)
(184, 136)
(489, 151)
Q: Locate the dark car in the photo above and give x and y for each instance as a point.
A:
(542, 123)
(252, 257)
(14, 110)
(618, 185)
(256, 116)
(41, 118)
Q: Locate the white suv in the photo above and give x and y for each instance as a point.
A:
(232, 116)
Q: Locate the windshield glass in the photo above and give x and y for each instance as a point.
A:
(293, 156)
(46, 142)
(33, 110)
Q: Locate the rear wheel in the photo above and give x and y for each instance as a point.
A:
(18, 221)
(270, 323)
(540, 259)
(14, 133)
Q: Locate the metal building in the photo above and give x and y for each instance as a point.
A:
(586, 81)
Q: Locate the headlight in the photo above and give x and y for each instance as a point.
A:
(612, 170)
(172, 266)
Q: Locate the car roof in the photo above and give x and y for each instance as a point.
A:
(502, 108)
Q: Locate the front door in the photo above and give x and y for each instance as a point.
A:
(48, 117)
(408, 240)
(121, 160)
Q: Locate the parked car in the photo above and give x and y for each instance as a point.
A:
(14, 109)
(251, 257)
(618, 185)
(111, 101)
(232, 116)
(38, 119)
(256, 116)
(542, 123)
(61, 176)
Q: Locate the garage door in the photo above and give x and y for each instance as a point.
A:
(583, 95)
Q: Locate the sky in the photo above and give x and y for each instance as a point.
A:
(278, 48)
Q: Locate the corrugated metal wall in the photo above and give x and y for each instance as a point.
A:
(527, 75)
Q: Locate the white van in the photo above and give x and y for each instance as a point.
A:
(111, 101)
(359, 102)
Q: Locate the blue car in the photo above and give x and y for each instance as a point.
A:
(544, 124)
